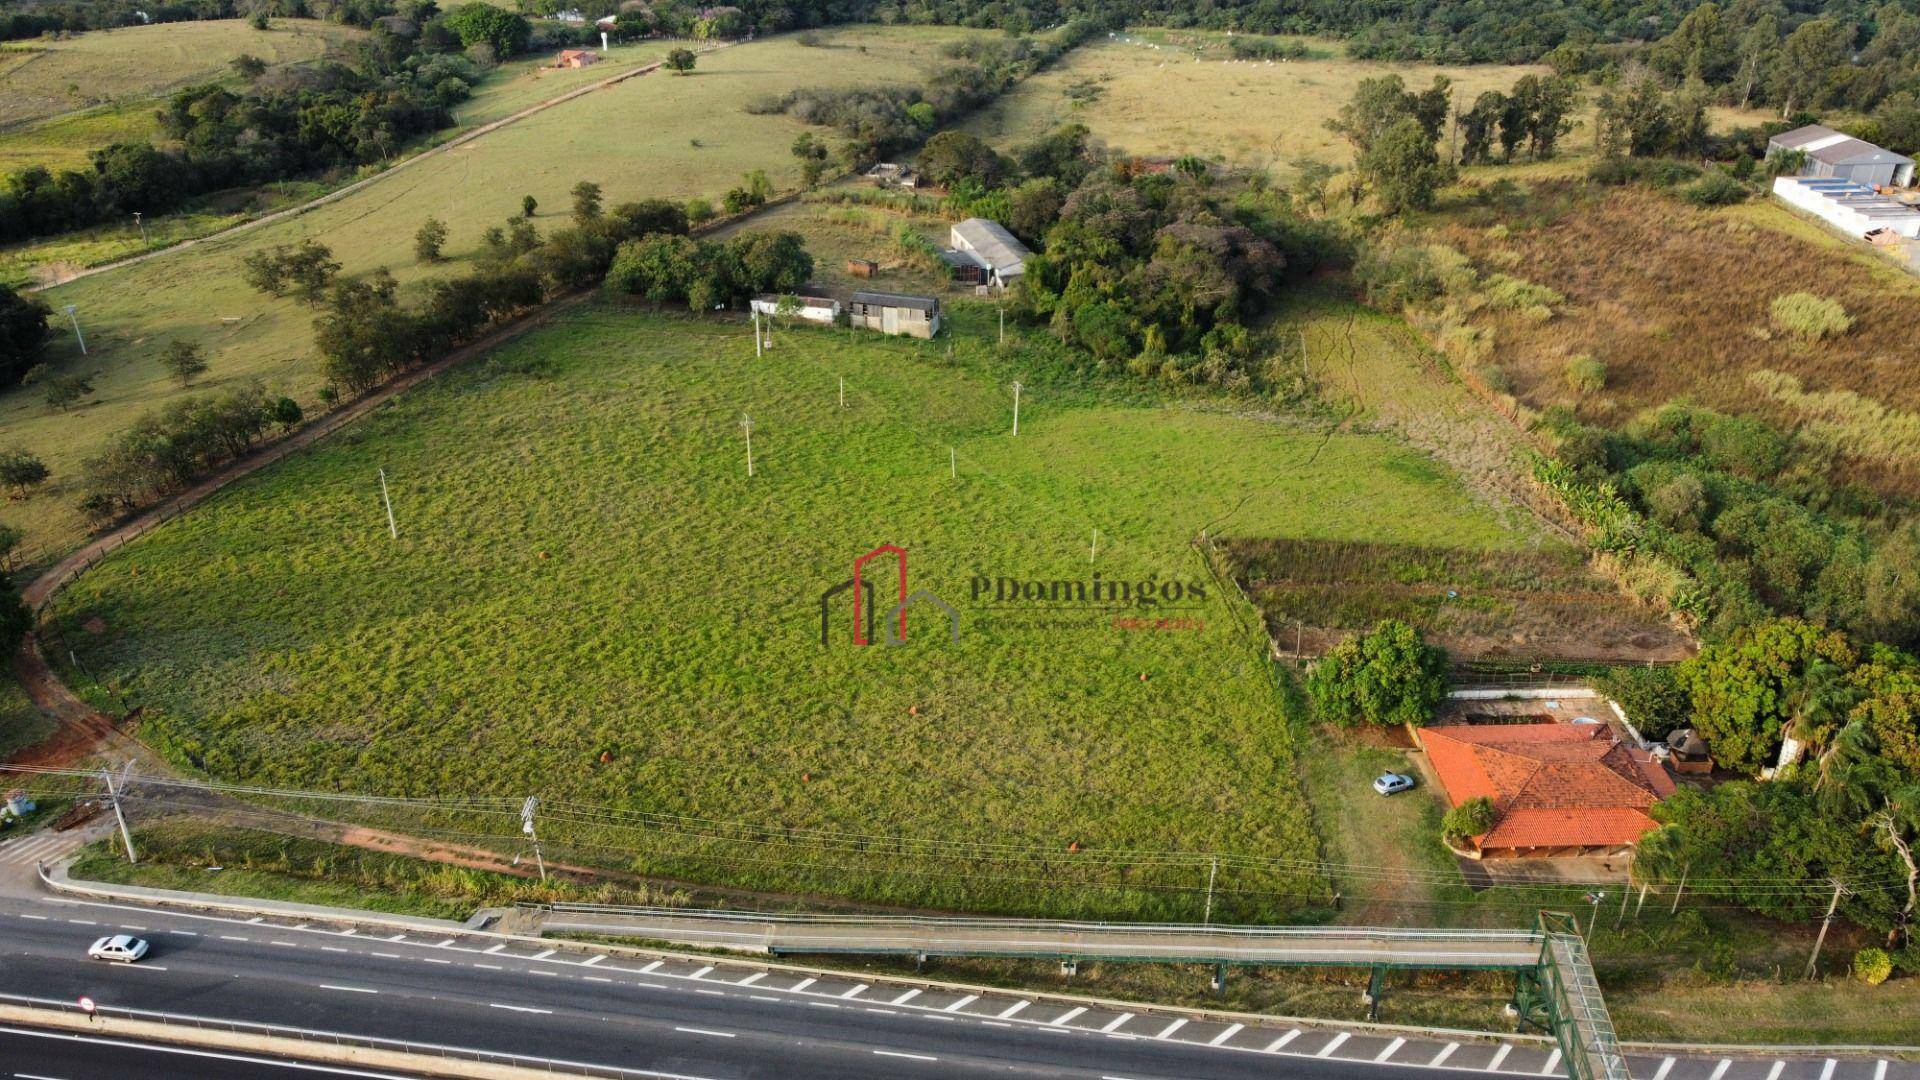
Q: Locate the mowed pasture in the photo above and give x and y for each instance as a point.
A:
(1675, 302)
(1182, 99)
(656, 135)
(44, 79)
(590, 600)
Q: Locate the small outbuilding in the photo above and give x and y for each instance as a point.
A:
(1832, 155)
(863, 268)
(1000, 255)
(576, 58)
(893, 174)
(896, 313)
(814, 307)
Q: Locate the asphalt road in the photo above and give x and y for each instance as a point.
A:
(26, 1054)
(610, 1012)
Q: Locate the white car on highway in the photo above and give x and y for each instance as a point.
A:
(121, 948)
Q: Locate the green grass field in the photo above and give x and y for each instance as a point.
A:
(44, 79)
(657, 135)
(584, 570)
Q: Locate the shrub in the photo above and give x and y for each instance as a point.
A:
(1872, 966)
(1652, 698)
(1475, 817)
(1385, 676)
(1811, 317)
(1716, 188)
(1585, 375)
(21, 470)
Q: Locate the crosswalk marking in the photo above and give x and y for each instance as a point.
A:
(1445, 1053)
(26, 850)
(1392, 1048)
(1333, 1044)
(1117, 1021)
(1227, 1034)
(1283, 1040)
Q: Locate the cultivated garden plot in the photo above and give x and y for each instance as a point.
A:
(588, 599)
(655, 136)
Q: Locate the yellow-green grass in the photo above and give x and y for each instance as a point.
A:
(528, 80)
(835, 234)
(1164, 102)
(42, 79)
(588, 598)
(21, 722)
(637, 140)
(64, 142)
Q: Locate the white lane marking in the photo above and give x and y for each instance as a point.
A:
(349, 931)
(751, 979)
(700, 974)
(1826, 1071)
(1171, 1028)
(444, 944)
(231, 937)
(956, 1006)
(38, 918)
(1064, 1018)
(596, 978)
(433, 960)
(143, 967)
(181, 1051)
(855, 992)
(655, 966)
(1445, 1053)
(710, 993)
(1283, 1040)
(1666, 1066)
(763, 997)
(36, 1076)
(909, 1057)
(1227, 1034)
(493, 950)
(490, 967)
(1392, 1048)
(1014, 1008)
(185, 933)
(706, 1031)
(348, 989)
(555, 975)
(994, 1023)
(256, 920)
(386, 955)
(124, 926)
(1333, 1044)
(332, 948)
(1778, 1068)
(1499, 1056)
(883, 1012)
(398, 937)
(824, 1004)
(519, 1008)
(1553, 1062)
(1117, 1021)
(549, 952)
(83, 922)
(908, 996)
(1720, 1070)
(285, 944)
(1880, 1069)
(597, 957)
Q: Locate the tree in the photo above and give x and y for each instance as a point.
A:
(23, 333)
(429, 239)
(1402, 168)
(183, 361)
(771, 262)
(248, 67)
(952, 156)
(1478, 125)
(308, 268)
(680, 61)
(528, 204)
(1475, 817)
(1742, 689)
(586, 202)
(480, 23)
(21, 470)
(813, 154)
(1385, 676)
(1807, 62)
(10, 540)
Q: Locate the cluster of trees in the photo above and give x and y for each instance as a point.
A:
(168, 449)
(878, 122)
(1837, 725)
(1753, 515)
(1533, 115)
(1387, 675)
(34, 18)
(23, 334)
(281, 123)
(704, 275)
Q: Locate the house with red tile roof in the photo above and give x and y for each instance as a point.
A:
(1559, 789)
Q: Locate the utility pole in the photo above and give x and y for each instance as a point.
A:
(746, 425)
(1016, 407)
(113, 795)
(526, 826)
(756, 334)
(143, 229)
(1593, 921)
(71, 314)
(953, 462)
(843, 391)
(1094, 548)
(1683, 888)
(1825, 921)
(1003, 326)
(1213, 870)
(392, 527)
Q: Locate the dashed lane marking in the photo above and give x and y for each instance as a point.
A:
(706, 1031)
(909, 1057)
(519, 1008)
(1333, 1044)
(349, 989)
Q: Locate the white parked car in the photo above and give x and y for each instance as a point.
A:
(1392, 783)
(121, 948)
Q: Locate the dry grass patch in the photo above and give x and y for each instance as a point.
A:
(1675, 303)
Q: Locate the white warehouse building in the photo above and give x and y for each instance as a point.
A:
(1847, 206)
(1834, 156)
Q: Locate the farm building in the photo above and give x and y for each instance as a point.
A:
(896, 313)
(1850, 207)
(988, 244)
(1559, 789)
(893, 174)
(813, 307)
(576, 58)
(1834, 156)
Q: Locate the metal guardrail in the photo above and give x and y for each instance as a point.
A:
(561, 1066)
